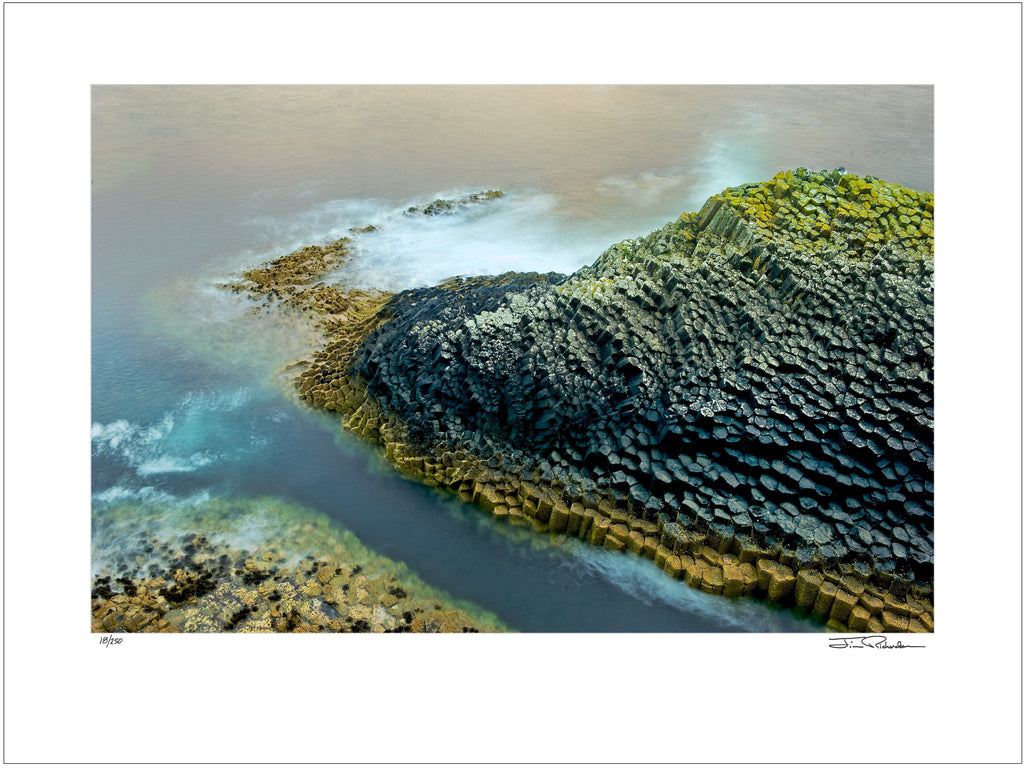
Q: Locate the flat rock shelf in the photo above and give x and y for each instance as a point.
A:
(259, 566)
(744, 396)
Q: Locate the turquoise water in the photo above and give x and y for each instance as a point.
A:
(192, 185)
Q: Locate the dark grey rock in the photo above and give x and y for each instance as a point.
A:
(691, 375)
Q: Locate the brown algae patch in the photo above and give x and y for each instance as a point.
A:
(258, 566)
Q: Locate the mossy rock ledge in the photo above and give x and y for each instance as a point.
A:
(744, 396)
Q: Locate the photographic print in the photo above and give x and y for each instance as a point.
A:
(425, 358)
(464, 383)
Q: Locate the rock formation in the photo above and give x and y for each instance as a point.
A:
(265, 566)
(744, 396)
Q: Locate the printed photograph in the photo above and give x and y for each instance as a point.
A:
(512, 358)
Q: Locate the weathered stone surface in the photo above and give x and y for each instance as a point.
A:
(858, 619)
(871, 603)
(749, 578)
(734, 581)
(823, 601)
(843, 605)
(765, 571)
(713, 581)
(693, 572)
(808, 584)
(894, 622)
(559, 518)
(781, 584)
(673, 566)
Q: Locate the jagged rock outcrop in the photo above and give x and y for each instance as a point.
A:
(445, 206)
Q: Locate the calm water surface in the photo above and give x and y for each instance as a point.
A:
(193, 184)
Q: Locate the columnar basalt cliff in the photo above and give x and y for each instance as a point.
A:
(743, 396)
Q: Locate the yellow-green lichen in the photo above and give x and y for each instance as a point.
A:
(815, 211)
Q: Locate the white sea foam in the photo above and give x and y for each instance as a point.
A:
(184, 439)
(112, 435)
(112, 536)
(322, 223)
(227, 400)
(523, 231)
(650, 194)
(148, 494)
(252, 530)
(641, 579)
(120, 494)
(168, 464)
(725, 165)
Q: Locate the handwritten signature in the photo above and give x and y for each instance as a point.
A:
(110, 640)
(867, 641)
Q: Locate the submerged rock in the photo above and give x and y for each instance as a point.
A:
(441, 207)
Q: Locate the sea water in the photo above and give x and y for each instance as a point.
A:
(192, 185)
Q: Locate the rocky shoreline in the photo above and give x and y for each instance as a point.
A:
(743, 396)
(258, 566)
